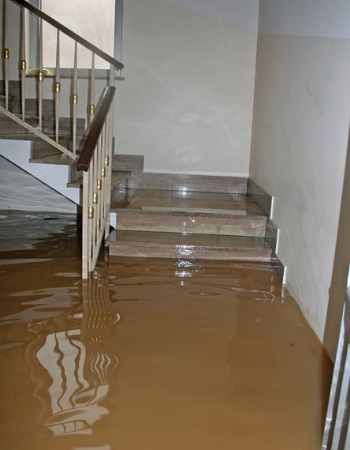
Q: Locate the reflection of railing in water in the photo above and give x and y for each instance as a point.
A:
(80, 366)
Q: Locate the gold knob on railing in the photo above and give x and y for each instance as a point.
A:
(92, 109)
(75, 99)
(94, 198)
(40, 76)
(103, 172)
(23, 65)
(6, 53)
(99, 185)
(107, 160)
(57, 87)
(91, 212)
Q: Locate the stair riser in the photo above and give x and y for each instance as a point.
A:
(187, 252)
(41, 148)
(192, 224)
(32, 108)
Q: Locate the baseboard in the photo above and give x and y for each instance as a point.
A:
(260, 197)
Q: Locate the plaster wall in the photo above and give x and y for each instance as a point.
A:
(186, 103)
(300, 136)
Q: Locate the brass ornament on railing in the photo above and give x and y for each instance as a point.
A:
(103, 172)
(23, 65)
(99, 185)
(6, 53)
(94, 198)
(107, 160)
(40, 76)
(91, 212)
(75, 99)
(57, 87)
(92, 109)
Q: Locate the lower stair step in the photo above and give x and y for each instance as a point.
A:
(189, 212)
(188, 246)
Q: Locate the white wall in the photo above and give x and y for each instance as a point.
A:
(186, 103)
(21, 191)
(300, 135)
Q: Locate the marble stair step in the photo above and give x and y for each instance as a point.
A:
(188, 246)
(11, 130)
(58, 159)
(117, 177)
(191, 212)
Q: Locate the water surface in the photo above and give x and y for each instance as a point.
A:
(149, 354)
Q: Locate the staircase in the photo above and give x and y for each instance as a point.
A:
(82, 144)
(188, 217)
(158, 215)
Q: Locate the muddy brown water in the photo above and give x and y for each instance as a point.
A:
(149, 354)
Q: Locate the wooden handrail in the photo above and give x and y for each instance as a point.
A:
(118, 65)
(96, 129)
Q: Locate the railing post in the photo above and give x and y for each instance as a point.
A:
(23, 63)
(85, 224)
(109, 154)
(57, 88)
(40, 75)
(6, 53)
(91, 108)
(75, 97)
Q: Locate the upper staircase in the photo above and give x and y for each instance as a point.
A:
(31, 105)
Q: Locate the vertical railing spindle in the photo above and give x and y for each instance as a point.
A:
(91, 111)
(23, 64)
(108, 157)
(75, 97)
(40, 75)
(6, 53)
(85, 220)
(57, 88)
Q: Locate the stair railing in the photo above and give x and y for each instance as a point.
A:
(96, 163)
(52, 137)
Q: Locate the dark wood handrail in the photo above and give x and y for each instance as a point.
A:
(118, 65)
(96, 129)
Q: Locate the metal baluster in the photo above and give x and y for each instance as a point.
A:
(100, 157)
(109, 155)
(86, 220)
(91, 212)
(91, 111)
(23, 64)
(57, 87)
(40, 74)
(6, 53)
(93, 191)
(106, 178)
(75, 97)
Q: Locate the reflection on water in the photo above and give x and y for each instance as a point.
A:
(150, 354)
(79, 364)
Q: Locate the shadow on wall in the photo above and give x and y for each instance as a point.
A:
(340, 268)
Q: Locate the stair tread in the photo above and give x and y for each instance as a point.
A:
(59, 159)
(117, 177)
(142, 201)
(202, 241)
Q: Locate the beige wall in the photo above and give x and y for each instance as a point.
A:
(299, 145)
(186, 103)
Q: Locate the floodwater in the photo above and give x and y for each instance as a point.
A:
(149, 354)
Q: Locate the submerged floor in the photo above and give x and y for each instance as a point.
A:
(151, 354)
